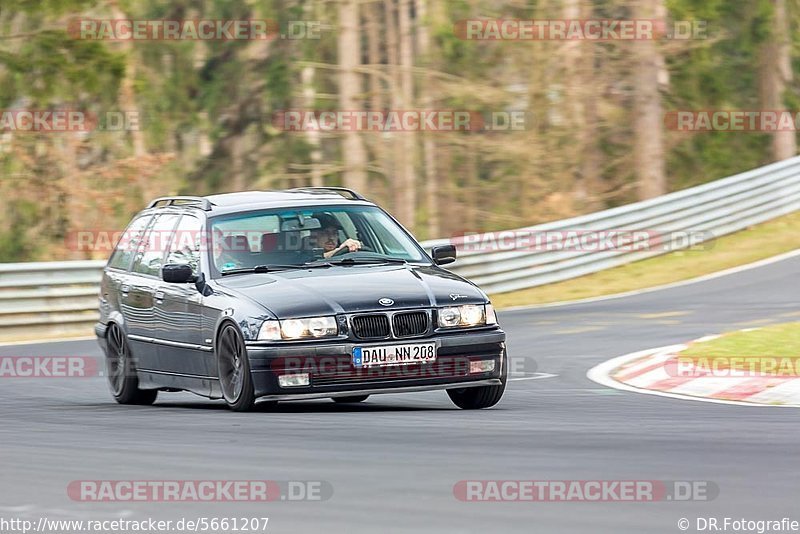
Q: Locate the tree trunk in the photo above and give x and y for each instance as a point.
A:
(373, 27)
(127, 104)
(428, 143)
(372, 24)
(775, 77)
(312, 135)
(395, 149)
(649, 156)
(354, 155)
(581, 94)
(408, 188)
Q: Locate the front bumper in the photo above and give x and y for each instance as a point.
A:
(332, 372)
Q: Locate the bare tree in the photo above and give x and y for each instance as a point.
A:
(312, 135)
(581, 87)
(373, 27)
(648, 119)
(776, 75)
(406, 207)
(354, 155)
(395, 153)
(127, 95)
(428, 143)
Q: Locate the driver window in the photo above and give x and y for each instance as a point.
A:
(186, 242)
(148, 260)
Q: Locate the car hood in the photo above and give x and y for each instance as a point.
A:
(358, 288)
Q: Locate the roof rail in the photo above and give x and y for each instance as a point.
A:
(343, 191)
(163, 202)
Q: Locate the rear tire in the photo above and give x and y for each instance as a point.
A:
(350, 400)
(121, 371)
(478, 398)
(233, 367)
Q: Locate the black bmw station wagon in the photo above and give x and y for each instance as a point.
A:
(285, 295)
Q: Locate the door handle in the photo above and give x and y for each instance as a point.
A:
(159, 296)
(125, 289)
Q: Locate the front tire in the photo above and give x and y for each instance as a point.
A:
(233, 368)
(121, 371)
(478, 398)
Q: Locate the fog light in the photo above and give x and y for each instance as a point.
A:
(481, 366)
(294, 380)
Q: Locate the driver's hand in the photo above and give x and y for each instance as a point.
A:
(351, 244)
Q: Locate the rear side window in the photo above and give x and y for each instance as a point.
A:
(129, 243)
(148, 259)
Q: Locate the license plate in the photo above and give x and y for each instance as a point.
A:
(387, 355)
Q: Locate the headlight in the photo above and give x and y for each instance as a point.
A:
(449, 317)
(467, 315)
(311, 327)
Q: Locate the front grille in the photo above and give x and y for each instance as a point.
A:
(370, 326)
(410, 324)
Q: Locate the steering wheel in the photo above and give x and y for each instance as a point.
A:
(345, 250)
(342, 251)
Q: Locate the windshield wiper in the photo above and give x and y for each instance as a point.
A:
(366, 261)
(270, 268)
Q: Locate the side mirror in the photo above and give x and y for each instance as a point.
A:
(177, 273)
(443, 254)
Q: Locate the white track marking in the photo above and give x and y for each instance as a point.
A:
(788, 392)
(40, 342)
(602, 375)
(536, 376)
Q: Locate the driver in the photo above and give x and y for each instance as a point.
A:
(326, 237)
(223, 259)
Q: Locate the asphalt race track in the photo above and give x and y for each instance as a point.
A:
(393, 461)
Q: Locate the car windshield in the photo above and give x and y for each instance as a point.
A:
(300, 237)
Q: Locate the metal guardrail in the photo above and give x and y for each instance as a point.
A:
(48, 298)
(714, 209)
(53, 298)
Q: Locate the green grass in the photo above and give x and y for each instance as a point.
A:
(780, 340)
(772, 350)
(750, 245)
